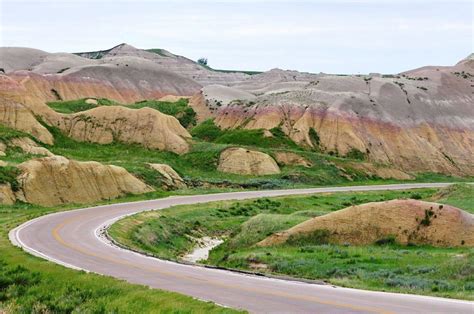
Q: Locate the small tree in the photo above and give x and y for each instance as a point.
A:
(202, 61)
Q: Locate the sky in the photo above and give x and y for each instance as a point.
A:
(338, 36)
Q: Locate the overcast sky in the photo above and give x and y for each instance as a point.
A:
(316, 36)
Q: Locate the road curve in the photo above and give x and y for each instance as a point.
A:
(72, 239)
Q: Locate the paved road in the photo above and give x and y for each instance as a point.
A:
(73, 239)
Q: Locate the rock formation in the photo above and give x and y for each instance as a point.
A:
(28, 146)
(406, 221)
(291, 159)
(147, 127)
(421, 120)
(170, 178)
(51, 181)
(248, 162)
(18, 117)
(7, 197)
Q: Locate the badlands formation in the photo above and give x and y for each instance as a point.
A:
(404, 221)
(56, 180)
(416, 121)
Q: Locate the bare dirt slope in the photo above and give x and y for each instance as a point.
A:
(56, 180)
(407, 221)
(169, 61)
(417, 121)
(244, 161)
(421, 120)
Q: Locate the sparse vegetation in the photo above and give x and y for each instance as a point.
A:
(354, 153)
(314, 137)
(202, 61)
(8, 175)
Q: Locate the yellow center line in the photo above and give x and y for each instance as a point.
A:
(57, 237)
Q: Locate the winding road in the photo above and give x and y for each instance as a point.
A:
(75, 239)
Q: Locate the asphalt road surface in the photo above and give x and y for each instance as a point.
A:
(73, 239)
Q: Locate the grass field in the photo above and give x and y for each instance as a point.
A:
(31, 285)
(169, 234)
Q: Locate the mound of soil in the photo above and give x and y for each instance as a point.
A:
(402, 221)
(243, 161)
(57, 180)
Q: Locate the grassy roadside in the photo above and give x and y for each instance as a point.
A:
(169, 234)
(31, 285)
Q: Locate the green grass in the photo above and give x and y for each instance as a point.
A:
(7, 133)
(179, 109)
(460, 195)
(197, 167)
(8, 175)
(31, 285)
(210, 132)
(426, 270)
(157, 51)
(78, 105)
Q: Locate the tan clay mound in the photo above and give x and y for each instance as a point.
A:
(171, 179)
(292, 159)
(249, 162)
(28, 146)
(145, 126)
(18, 117)
(409, 221)
(57, 180)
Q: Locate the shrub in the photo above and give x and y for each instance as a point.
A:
(207, 131)
(386, 241)
(314, 137)
(202, 61)
(354, 153)
(8, 174)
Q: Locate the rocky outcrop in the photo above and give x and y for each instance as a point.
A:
(28, 146)
(104, 124)
(170, 178)
(7, 197)
(291, 159)
(18, 117)
(147, 127)
(247, 162)
(407, 221)
(57, 180)
(417, 121)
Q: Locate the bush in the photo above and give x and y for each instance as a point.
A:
(8, 174)
(386, 241)
(354, 153)
(202, 61)
(314, 137)
(207, 131)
